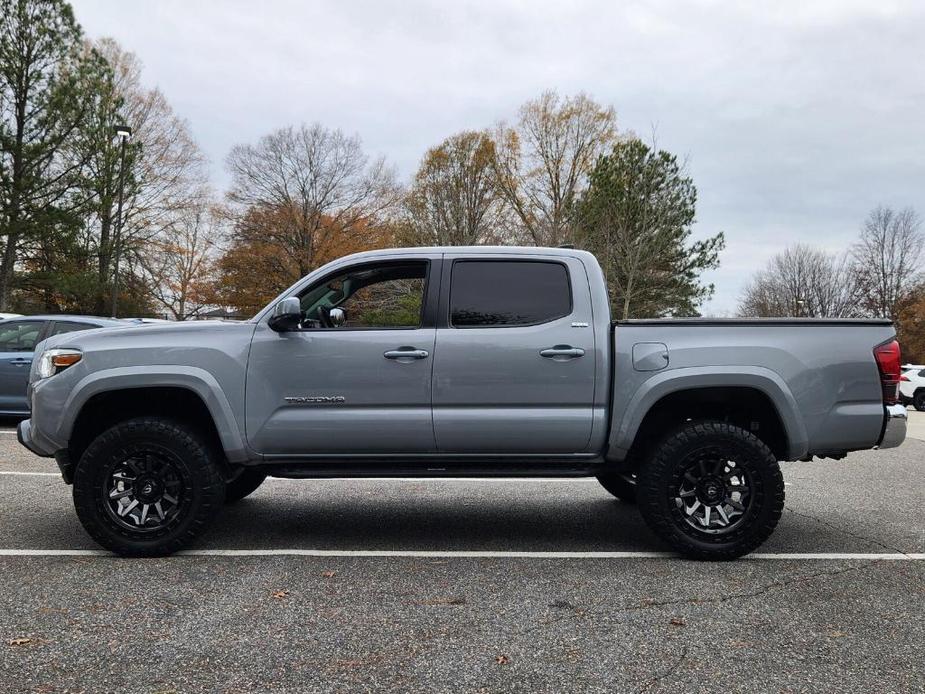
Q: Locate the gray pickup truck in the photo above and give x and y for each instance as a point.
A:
(457, 362)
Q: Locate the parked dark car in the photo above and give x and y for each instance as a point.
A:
(18, 338)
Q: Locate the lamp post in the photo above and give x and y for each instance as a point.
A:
(123, 132)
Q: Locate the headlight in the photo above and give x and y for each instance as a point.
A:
(55, 361)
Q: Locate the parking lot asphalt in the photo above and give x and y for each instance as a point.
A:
(570, 592)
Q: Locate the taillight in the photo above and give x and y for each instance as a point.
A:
(903, 378)
(889, 363)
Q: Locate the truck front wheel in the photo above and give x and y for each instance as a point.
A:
(147, 487)
(711, 490)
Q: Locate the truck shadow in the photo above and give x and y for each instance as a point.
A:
(399, 517)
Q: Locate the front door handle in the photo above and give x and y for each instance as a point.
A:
(406, 354)
(562, 352)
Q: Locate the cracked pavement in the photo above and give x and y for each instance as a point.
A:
(454, 624)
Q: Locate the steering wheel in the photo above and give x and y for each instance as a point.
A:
(324, 317)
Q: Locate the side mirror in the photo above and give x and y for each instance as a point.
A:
(287, 315)
(338, 317)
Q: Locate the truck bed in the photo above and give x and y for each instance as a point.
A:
(819, 374)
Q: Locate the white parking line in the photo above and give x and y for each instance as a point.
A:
(466, 554)
(371, 479)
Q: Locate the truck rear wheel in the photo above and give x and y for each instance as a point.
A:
(620, 486)
(243, 485)
(147, 487)
(711, 490)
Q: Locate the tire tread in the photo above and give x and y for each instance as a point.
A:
(651, 491)
(112, 537)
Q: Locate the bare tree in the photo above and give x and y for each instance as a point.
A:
(803, 282)
(180, 261)
(166, 176)
(453, 199)
(544, 160)
(320, 178)
(886, 260)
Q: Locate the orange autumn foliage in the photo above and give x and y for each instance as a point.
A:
(910, 327)
(271, 248)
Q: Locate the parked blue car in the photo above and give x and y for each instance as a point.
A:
(18, 338)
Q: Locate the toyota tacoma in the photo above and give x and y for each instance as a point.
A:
(458, 362)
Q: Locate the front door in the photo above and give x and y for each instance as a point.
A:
(514, 365)
(17, 342)
(356, 376)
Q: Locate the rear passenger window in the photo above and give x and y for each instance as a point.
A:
(66, 327)
(497, 293)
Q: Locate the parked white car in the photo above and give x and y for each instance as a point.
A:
(912, 386)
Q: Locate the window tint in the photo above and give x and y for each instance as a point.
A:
(384, 296)
(500, 292)
(70, 327)
(922, 373)
(19, 336)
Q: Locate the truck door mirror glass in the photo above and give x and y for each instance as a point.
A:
(287, 315)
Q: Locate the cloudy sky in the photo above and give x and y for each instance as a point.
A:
(796, 117)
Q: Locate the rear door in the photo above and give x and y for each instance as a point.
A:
(514, 361)
(17, 343)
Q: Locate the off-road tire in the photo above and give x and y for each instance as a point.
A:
(202, 485)
(918, 401)
(243, 485)
(619, 486)
(663, 470)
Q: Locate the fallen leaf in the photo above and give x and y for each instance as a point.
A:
(502, 659)
(328, 574)
(21, 641)
(437, 602)
(837, 634)
(678, 622)
(739, 644)
(279, 594)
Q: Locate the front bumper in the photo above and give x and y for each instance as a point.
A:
(894, 430)
(33, 439)
(24, 435)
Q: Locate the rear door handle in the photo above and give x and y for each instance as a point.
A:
(406, 354)
(562, 352)
(20, 361)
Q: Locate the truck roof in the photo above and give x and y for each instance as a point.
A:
(471, 250)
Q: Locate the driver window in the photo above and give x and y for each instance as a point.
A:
(19, 336)
(371, 296)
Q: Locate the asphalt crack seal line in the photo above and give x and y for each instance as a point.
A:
(843, 531)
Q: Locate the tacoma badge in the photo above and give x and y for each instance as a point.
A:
(314, 399)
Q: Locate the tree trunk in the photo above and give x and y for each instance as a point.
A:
(6, 268)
